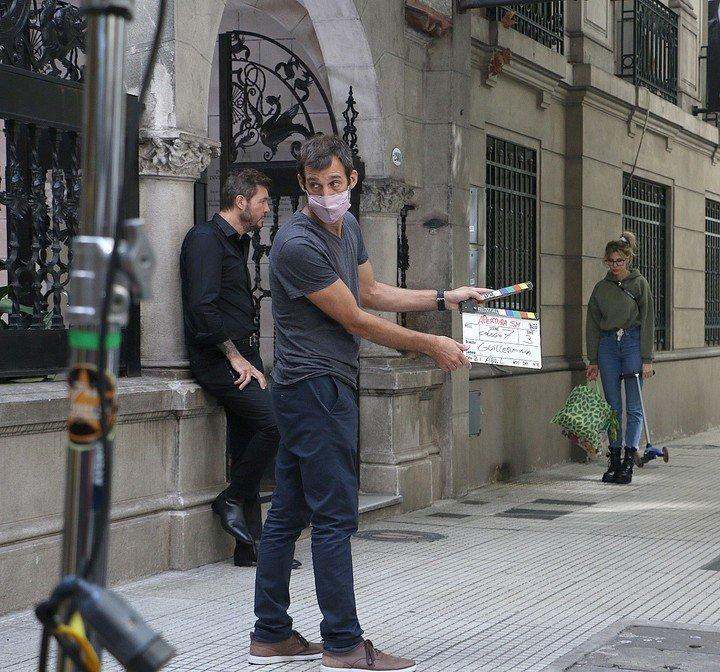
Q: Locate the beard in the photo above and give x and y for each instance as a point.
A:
(250, 223)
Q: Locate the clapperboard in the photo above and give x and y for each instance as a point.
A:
(502, 336)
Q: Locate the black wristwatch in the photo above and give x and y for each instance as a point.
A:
(440, 299)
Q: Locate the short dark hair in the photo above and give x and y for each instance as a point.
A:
(318, 151)
(242, 183)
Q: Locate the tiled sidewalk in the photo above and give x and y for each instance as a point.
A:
(496, 593)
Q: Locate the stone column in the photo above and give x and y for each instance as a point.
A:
(688, 50)
(589, 27)
(399, 403)
(170, 162)
(380, 205)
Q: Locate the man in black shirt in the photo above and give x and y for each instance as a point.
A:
(223, 347)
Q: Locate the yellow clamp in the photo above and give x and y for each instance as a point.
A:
(75, 631)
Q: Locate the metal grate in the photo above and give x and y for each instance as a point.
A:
(544, 22)
(563, 502)
(712, 272)
(649, 44)
(532, 514)
(511, 220)
(401, 536)
(645, 214)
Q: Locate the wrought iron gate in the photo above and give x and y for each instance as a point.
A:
(41, 49)
(270, 101)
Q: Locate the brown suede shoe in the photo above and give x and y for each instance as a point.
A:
(295, 648)
(365, 657)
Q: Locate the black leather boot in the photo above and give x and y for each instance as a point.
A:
(613, 465)
(232, 517)
(625, 474)
(245, 555)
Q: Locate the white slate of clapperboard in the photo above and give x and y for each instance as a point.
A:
(495, 338)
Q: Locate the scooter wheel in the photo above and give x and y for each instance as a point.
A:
(665, 454)
(638, 459)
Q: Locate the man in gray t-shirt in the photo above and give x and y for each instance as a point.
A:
(320, 276)
(306, 258)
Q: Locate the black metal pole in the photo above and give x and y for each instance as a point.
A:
(102, 160)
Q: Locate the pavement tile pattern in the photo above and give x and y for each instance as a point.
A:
(497, 591)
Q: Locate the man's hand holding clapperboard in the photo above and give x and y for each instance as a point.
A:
(502, 336)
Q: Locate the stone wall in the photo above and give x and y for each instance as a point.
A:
(168, 467)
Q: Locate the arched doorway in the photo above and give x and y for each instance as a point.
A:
(269, 91)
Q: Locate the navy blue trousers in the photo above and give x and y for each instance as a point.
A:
(316, 483)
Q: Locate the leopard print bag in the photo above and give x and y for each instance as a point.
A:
(586, 416)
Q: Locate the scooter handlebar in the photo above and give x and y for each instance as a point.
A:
(628, 376)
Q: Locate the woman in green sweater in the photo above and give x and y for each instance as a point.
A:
(619, 335)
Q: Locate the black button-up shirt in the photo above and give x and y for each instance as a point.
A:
(216, 289)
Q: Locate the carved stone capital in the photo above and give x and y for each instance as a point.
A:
(175, 154)
(385, 195)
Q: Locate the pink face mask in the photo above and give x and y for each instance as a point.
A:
(329, 209)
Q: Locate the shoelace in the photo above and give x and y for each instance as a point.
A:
(301, 639)
(369, 652)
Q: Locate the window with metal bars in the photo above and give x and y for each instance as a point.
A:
(544, 22)
(645, 215)
(712, 272)
(511, 220)
(649, 46)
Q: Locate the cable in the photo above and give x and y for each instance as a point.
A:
(102, 517)
(637, 154)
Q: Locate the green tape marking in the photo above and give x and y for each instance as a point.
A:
(90, 340)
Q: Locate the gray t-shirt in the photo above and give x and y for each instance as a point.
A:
(306, 258)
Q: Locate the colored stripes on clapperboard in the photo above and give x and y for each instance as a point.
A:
(506, 291)
(505, 312)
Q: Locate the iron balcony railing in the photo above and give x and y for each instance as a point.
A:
(649, 46)
(544, 22)
(712, 272)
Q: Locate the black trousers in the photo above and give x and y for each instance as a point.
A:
(252, 435)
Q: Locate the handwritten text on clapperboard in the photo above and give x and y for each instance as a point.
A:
(497, 339)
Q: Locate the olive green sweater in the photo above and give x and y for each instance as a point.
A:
(611, 308)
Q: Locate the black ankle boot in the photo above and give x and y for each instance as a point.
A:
(625, 474)
(613, 465)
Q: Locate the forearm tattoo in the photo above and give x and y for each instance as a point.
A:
(228, 348)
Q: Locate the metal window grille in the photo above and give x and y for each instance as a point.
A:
(511, 219)
(649, 46)
(645, 214)
(712, 272)
(544, 22)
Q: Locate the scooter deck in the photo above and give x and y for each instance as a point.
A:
(650, 454)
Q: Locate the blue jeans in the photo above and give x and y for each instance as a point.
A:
(617, 357)
(316, 482)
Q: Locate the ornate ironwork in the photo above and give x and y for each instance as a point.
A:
(645, 214)
(511, 219)
(45, 36)
(712, 272)
(403, 253)
(350, 114)
(39, 233)
(544, 22)
(14, 198)
(649, 42)
(262, 117)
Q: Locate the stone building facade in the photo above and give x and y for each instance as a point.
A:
(443, 96)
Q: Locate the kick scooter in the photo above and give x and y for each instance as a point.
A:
(651, 452)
